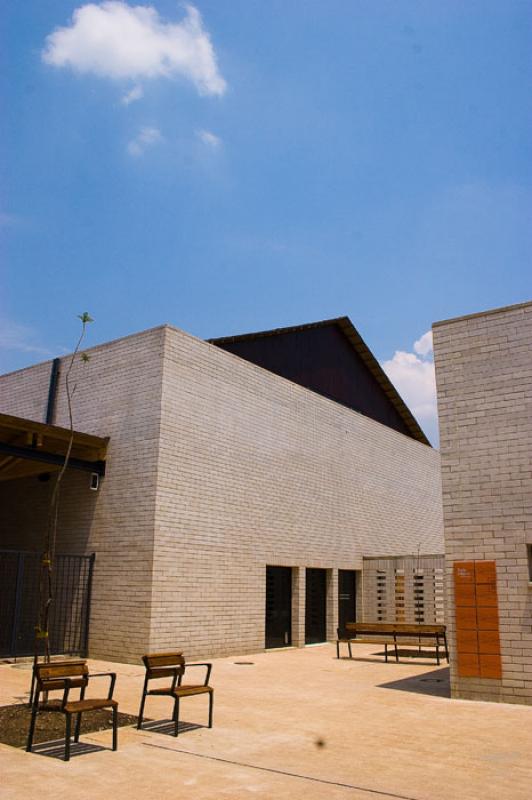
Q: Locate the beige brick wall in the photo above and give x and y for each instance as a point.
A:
(484, 378)
(216, 468)
(256, 470)
(118, 394)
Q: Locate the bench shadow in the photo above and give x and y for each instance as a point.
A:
(435, 683)
(166, 727)
(411, 655)
(56, 749)
(368, 660)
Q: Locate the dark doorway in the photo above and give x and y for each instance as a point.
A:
(278, 606)
(347, 597)
(316, 606)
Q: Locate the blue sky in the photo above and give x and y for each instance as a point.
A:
(242, 165)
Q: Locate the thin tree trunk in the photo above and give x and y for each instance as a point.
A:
(42, 629)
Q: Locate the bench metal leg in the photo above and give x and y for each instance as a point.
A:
(386, 652)
(142, 703)
(32, 690)
(77, 728)
(437, 654)
(176, 717)
(337, 649)
(32, 727)
(115, 727)
(396, 653)
(141, 712)
(67, 736)
(211, 701)
(446, 648)
(350, 651)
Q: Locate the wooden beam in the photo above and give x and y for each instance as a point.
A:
(54, 431)
(53, 458)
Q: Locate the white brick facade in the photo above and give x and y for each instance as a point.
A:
(484, 377)
(216, 469)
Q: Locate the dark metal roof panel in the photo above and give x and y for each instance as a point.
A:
(362, 350)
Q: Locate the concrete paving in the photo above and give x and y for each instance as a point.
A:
(291, 723)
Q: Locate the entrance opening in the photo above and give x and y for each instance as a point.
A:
(278, 606)
(347, 598)
(316, 606)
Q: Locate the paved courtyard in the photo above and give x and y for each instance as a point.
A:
(292, 723)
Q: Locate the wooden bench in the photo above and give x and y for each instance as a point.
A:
(64, 676)
(172, 665)
(393, 633)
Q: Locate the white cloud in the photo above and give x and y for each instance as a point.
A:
(145, 138)
(20, 338)
(423, 346)
(134, 94)
(413, 375)
(209, 139)
(115, 40)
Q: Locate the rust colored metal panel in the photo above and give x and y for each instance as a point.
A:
(464, 572)
(488, 618)
(467, 641)
(468, 665)
(486, 595)
(464, 594)
(490, 666)
(489, 642)
(466, 619)
(485, 572)
(477, 619)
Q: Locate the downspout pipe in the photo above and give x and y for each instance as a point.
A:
(52, 391)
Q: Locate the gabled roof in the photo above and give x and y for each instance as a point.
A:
(345, 325)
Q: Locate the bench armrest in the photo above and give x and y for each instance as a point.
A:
(208, 674)
(111, 675)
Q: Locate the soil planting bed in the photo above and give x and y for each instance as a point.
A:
(15, 724)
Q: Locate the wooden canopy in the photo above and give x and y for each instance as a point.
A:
(30, 448)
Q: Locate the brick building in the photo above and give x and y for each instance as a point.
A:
(241, 487)
(484, 378)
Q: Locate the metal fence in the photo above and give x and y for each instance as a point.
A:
(406, 589)
(19, 603)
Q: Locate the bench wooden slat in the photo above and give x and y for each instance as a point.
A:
(61, 669)
(154, 660)
(361, 640)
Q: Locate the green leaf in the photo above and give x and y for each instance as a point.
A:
(84, 357)
(85, 317)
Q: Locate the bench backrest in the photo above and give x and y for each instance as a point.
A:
(163, 665)
(368, 628)
(402, 627)
(389, 628)
(55, 674)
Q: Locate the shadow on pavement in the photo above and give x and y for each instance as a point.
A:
(166, 727)
(436, 683)
(56, 749)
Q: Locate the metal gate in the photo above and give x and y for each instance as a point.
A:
(19, 603)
